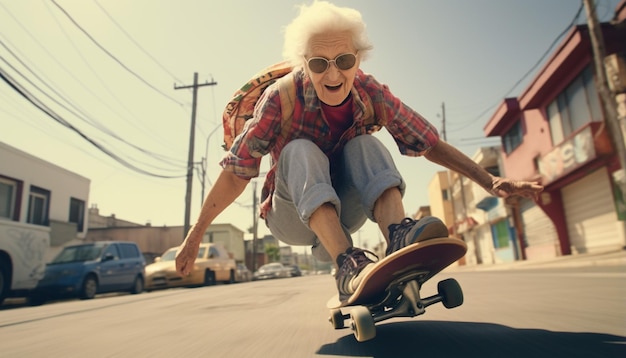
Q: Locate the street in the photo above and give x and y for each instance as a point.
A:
(568, 312)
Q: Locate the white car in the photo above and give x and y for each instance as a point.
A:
(271, 270)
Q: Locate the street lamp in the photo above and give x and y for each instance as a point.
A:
(203, 163)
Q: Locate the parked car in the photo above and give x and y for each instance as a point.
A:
(294, 270)
(88, 269)
(271, 270)
(213, 264)
(243, 274)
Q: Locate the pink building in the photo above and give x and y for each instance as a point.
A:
(555, 133)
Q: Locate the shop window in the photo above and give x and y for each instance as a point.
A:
(576, 106)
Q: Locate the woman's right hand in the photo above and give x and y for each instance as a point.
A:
(186, 256)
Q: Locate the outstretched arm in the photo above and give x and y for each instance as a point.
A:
(446, 155)
(227, 188)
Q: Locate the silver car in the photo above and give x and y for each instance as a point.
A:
(271, 270)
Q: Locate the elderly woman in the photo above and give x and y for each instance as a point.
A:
(330, 175)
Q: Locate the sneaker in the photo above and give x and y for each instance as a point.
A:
(350, 274)
(410, 231)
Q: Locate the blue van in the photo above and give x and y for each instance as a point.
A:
(88, 269)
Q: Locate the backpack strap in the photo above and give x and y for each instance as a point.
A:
(287, 93)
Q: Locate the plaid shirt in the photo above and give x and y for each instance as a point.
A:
(413, 134)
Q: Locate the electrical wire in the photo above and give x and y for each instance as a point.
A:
(118, 61)
(531, 70)
(77, 114)
(9, 80)
(136, 42)
(143, 129)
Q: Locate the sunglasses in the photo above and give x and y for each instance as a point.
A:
(343, 62)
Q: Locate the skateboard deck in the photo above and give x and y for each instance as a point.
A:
(391, 288)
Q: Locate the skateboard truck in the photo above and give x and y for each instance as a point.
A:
(402, 299)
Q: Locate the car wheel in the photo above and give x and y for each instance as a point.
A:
(137, 286)
(231, 279)
(90, 287)
(209, 278)
(35, 300)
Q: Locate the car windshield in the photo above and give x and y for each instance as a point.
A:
(169, 255)
(270, 267)
(78, 254)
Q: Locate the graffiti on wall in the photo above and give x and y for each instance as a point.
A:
(568, 156)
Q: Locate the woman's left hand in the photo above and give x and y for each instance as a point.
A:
(503, 187)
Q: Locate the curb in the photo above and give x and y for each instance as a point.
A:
(611, 258)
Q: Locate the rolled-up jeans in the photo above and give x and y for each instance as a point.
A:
(362, 172)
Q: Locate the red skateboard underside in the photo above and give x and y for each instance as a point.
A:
(430, 257)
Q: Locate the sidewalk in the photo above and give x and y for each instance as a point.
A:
(608, 258)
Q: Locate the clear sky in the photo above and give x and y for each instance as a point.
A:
(108, 68)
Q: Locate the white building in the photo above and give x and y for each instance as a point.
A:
(42, 207)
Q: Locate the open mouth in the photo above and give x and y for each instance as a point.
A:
(333, 88)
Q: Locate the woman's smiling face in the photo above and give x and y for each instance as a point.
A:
(333, 85)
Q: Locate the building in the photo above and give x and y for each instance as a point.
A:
(474, 215)
(154, 241)
(439, 199)
(556, 133)
(54, 198)
(42, 208)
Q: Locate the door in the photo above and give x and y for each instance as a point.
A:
(539, 233)
(131, 263)
(592, 222)
(111, 270)
(503, 241)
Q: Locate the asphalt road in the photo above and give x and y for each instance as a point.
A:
(523, 313)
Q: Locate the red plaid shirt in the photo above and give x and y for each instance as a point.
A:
(413, 134)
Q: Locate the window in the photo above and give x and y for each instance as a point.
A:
(494, 170)
(213, 252)
(500, 232)
(129, 251)
(77, 213)
(9, 190)
(513, 138)
(112, 250)
(574, 108)
(444, 195)
(38, 206)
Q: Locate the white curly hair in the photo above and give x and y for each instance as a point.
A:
(319, 18)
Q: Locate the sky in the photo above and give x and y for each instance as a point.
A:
(108, 70)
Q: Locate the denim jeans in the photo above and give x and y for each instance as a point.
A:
(360, 174)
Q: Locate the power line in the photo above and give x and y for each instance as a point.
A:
(531, 70)
(135, 42)
(113, 57)
(79, 114)
(83, 114)
(72, 75)
(49, 112)
(143, 129)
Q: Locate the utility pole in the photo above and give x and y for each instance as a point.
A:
(255, 221)
(449, 175)
(607, 96)
(192, 136)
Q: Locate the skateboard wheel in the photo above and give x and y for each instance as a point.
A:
(450, 292)
(336, 318)
(362, 324)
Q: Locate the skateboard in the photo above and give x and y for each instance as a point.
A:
(392, 288)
